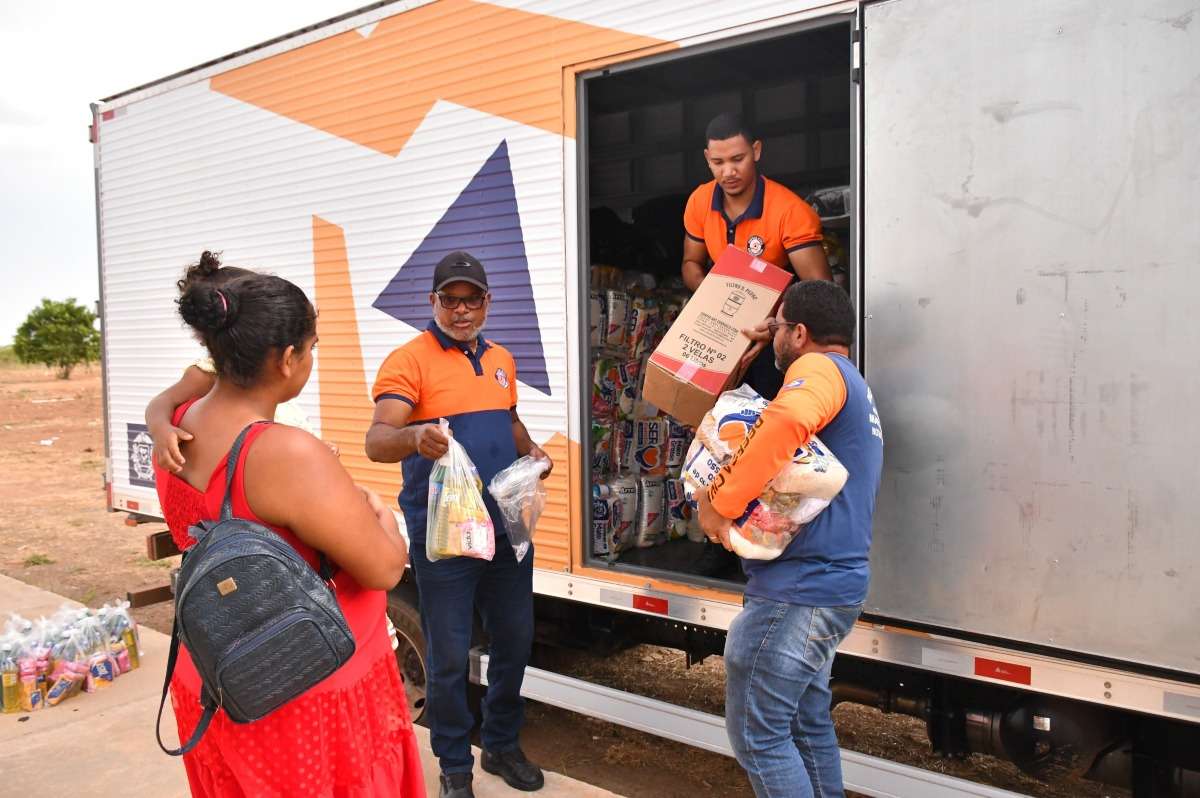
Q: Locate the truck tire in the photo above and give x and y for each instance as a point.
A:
(410, 655)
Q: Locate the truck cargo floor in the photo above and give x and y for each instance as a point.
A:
(686, 557)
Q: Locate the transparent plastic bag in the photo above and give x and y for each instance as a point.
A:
(70, 670)
(521, 495)
(458, 523)
(801, 490)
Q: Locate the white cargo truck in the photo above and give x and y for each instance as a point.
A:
(1019, 237)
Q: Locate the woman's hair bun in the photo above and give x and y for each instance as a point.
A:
(204, 269)
(207, 309)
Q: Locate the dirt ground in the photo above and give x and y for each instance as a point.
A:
(55, 533)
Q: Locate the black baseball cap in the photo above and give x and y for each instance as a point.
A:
(459, 266)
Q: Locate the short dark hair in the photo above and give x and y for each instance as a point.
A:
(244, 319)
(726, 126)
(822, 307)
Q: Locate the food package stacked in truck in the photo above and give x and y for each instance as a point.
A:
(637, 451)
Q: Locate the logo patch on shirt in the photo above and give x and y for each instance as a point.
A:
(756, 245)
(793, 384)
(502, 378)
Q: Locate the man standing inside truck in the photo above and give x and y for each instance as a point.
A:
(800, 606)
(741, 207)
(450, 371)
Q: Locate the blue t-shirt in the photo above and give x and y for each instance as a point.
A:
(827, 564)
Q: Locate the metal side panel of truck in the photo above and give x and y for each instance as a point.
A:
(1026, 187)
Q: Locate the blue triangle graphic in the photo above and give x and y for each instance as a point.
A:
(484, 221)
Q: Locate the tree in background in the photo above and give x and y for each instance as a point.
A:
(59, 334)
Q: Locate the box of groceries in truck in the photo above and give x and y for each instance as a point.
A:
(699, 355)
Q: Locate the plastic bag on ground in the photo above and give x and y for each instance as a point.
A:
(793, 498)
(521, 495)
(458, 523)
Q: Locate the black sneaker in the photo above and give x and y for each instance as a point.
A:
(716, 562)
(517, 771)
(456, 785)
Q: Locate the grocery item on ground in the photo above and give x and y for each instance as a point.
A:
(458, 523)
(521, 495)
(10, 679)
(793, 498)
(45, 662)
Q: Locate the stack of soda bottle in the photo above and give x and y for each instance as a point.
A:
(45, 662)
(637, 452)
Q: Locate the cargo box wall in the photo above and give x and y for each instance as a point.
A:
(1030, 333)
(353, 201)
(344, 158)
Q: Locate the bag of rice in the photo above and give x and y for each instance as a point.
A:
(793, 498)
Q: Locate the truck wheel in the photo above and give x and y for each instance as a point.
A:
(410, 655)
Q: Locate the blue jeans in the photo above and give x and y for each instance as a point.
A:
(450, 590)
(777, 663)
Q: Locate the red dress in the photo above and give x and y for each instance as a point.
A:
(348, 737)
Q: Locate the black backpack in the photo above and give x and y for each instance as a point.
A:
(260, 624)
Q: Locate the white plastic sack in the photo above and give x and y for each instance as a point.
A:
(521, 495)
(457, 522)
(793, 498)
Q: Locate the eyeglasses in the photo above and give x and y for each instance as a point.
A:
(472, 302)
(773, 325)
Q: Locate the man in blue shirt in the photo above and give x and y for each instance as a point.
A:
(800, 606)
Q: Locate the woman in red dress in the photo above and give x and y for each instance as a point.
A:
(349, 736)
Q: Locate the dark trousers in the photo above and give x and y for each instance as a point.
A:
(502, 591)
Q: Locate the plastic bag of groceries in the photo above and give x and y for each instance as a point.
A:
(793, 498)
(521, 495)
(458, 523)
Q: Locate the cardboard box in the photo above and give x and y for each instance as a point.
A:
(697, 358)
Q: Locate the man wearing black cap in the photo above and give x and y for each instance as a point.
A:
(450, 371)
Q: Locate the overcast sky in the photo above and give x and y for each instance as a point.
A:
(56, 57)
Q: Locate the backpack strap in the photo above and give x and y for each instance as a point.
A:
(325, 567)
(231, 464)
(210, 707)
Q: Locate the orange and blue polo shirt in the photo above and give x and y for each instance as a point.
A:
(775, 223)
(474, 391)
(828, 564)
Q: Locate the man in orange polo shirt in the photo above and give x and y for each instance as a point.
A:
(741, 207)
(451, 371)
